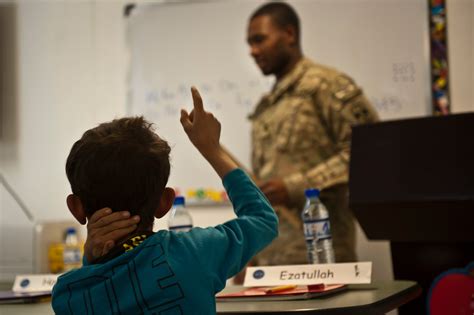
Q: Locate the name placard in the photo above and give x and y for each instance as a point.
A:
(340, 273)
(34, 283)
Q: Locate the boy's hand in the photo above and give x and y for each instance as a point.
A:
(202, 128)
(104, 229)
(204, 131)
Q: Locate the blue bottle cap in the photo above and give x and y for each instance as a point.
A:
(311, 193)
(71, 230)
(178, 201)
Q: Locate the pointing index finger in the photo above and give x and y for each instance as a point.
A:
(197, 100)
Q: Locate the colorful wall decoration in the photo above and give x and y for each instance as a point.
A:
(439, 58)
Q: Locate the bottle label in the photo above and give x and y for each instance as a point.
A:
(72, 255)
(181, 228)
(319, 229)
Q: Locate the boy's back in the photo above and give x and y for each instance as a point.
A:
(173, 272)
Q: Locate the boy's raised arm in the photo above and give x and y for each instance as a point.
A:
(231, 244)
(204, 131)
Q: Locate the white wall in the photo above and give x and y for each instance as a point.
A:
(71, 75)
(461, 54)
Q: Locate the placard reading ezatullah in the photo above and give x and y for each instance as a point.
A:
(340, 273)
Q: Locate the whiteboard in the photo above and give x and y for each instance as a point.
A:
(382, 44)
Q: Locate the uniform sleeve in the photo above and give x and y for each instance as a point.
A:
(339, 106)
(225, 249)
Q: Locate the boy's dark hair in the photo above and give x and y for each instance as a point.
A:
(122, 165)
(282, 15)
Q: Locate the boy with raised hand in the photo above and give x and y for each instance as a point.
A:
(124, 165)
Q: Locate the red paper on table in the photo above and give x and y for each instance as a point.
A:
(261, 293)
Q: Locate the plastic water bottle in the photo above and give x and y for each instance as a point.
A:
(72, 253)
(317, 229)
(180, 220)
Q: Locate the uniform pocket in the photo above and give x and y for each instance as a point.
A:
(286, 129)
(305, 131)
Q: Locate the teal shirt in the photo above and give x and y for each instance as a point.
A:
(173, 272)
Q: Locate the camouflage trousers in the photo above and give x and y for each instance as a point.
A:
(290, 248)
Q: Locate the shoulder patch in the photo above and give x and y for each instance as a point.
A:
(344, 88)
(308, 85)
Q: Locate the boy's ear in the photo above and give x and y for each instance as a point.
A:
(74, 204)
(166, 202)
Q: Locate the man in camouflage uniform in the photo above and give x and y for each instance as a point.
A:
(301, 134)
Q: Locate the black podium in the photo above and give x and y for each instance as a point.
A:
(412, 183)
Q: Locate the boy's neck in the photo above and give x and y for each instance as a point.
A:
(138, 231)
(128, 243)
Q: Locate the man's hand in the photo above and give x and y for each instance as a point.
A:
(105, 229)
(276, 191)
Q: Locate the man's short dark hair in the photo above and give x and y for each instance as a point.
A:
(122, 165)
(282, 15)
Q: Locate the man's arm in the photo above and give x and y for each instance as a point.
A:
(338, 112)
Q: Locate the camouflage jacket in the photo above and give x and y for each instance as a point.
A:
(301, 131)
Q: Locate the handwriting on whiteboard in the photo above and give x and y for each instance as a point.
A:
(168, 100)
(387, 104)
(403, 72)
